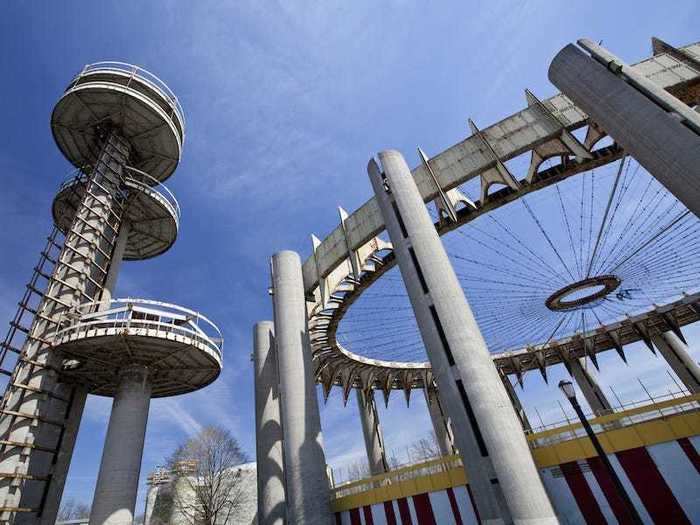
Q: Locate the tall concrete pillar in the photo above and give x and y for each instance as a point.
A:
(115, 264)
(308, 497)
(590, 388)
(676, 354)
(151, 497)
(268, 429)
(512, 394)
(441, 423)
(505, 482)
(374, 440)
(118, 480)
(657, 138)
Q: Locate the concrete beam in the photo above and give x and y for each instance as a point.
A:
(372, 432)
(590, 388)
(441, 423)
(676, 354)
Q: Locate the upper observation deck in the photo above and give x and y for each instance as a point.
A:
(115, 95)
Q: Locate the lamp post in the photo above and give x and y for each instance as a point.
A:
(567, 388)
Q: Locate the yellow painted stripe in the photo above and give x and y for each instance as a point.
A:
(445, 472)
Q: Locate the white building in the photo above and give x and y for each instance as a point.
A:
(167, 499)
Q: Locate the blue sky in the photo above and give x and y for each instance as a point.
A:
(285, 102)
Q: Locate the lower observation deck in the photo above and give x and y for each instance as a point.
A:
(181, 348)
(152, 212)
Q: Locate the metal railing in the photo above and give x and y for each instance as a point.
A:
(655, 408)
(393, 477)
(136, 180)
(143, 76)
(138, 316)
(552, 436)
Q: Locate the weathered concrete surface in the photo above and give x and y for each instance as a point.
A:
(676, 354)
(441, 423)
(657, 139)
(594, 395)
(118, 480)
(268, 428)
(372, 432)
(488, 433)
(308, 498)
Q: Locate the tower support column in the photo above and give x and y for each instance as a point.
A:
(590, 388)
(441, 423)
(268, 429)
(374, 440)
(676, 354)
(505, 481)
(118, 480)
(634, 115)
(307, 491)
(115, 264)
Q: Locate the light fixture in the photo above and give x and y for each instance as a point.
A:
(568, 388)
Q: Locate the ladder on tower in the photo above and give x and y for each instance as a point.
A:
(27, 308)
(13, 348)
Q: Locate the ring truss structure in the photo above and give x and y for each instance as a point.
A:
(354, 256)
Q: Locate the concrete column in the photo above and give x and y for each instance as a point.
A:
(590, 388)
(374, 440)
(118, 480)
(115, 264)
(268, 429)
(308, 498)
(517, 406)
(658, 139)
(441, 423)
(151, 498)
(676, 354)
(505, 482)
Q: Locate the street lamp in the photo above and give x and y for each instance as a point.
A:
(567, 388)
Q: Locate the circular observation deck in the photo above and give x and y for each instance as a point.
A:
(152, 211)
(114, 95)
(181, 348)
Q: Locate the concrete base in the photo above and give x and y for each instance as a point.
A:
(118, 480)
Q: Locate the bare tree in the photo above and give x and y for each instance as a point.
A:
(72, 510)
(425, 448)
(207, 487)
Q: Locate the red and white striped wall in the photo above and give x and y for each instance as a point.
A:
(662, 480)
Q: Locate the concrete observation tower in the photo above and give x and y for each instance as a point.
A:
(123, 129)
